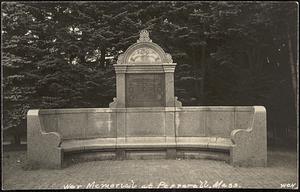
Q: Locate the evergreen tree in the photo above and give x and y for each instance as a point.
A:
(60, 54)
(19, 71)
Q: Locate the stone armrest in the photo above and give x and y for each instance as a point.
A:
(250, 145)
(35, 126)
(43, 148)
(237, 134)
(53, 138)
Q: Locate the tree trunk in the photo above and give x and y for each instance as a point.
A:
(17, 139)
(258, 62)
(102, 58)
(202, 73)
(293, 68)
(195, 70)
(82, 59)
(250, 59)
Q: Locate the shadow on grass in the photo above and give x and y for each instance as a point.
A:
(13, 147)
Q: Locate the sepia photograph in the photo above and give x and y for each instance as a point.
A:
(149, 95)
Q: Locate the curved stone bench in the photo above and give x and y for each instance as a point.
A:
(239, 132)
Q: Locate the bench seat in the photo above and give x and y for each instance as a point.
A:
(88, 144)
(204, 143)
(145, 143)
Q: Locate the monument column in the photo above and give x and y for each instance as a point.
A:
(169, 84)
(120, 84)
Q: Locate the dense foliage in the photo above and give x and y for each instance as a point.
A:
(60, 55)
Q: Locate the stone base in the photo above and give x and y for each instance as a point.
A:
(138, 154)
(171, 153)
(120, 154)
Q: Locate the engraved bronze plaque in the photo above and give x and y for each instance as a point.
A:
(145, 90)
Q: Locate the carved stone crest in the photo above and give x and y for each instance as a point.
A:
(144, 55)
(144, 37)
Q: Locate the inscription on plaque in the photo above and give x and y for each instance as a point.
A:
(145, 90)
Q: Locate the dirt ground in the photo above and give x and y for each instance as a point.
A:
(281, 172)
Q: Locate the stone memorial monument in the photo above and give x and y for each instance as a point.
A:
(145, 76)
(146, 120)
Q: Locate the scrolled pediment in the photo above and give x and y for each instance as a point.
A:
(144, 52)
(144, 55)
